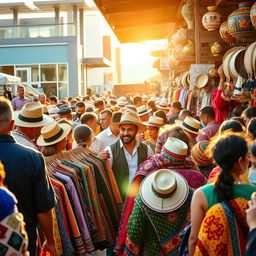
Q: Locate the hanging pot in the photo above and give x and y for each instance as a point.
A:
(212, 19)
(239, 22)
(187, 12)
(253, 15)
(216, 49)
(189, 49)
(180, 37)
(225, 33)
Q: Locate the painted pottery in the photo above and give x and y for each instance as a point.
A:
(225, 33)
(179, 37)
(187, 12)
(213, 73)
(189, 49)
(177, 52)
(239, 22)
(253, 15)
(212, 19)
(216, 49)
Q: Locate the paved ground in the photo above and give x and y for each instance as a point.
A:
(99, 253)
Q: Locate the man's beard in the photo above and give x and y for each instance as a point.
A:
(131, 138)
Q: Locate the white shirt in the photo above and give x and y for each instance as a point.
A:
(107, 137)
(132, 160)
(97, 144)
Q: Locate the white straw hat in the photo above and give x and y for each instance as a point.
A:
(164, 191)
(162, 105)
(53, 133)
(31, 115)
(142, 110)
(154, 121)
(129, 117)
(202, 80)
(190, 124)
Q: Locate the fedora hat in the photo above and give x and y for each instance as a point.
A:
(142, 110)
(202, 80)
(53, 133)
(129, 117)
(31, 115)
(164, 191)
(154, 121)
(175, 149)
(190, 124)
(163, 105)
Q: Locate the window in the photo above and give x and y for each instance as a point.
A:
(48, 72)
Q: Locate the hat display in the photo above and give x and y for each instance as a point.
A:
(202, 80)
(198, 154)
(154, 121)
(143, 110)
(129, 117)
(249, 59)
(190, 124)
(53, 133)
(163, 105)
(175, 149)
(31, 115)
(164, 191)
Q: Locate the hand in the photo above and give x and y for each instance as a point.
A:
(104, 155)
(251, 212)
(47, 247)
(221, 73)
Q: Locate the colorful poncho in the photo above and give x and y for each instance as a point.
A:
(224, 229)
(155, 234)
(186, 168)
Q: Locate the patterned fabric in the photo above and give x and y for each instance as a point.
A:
(224, 230)
(13, 238)
(161, 141)
(186, 168)
(152, 233)
(198, 154)
(149, 143)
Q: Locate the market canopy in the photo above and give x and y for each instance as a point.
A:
(8, 79)
(140, 20)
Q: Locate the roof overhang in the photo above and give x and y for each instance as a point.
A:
(44, 6)
(141, 20)
(97, 62)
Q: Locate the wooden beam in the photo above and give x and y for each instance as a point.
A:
(197, 30)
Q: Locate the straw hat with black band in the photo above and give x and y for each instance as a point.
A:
(31, 115)
(154, 121)
(129, 118)
(143, 110)
(53, 133)
(163, 105)
(164, 191)
(190, 124)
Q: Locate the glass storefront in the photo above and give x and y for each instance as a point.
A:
(52, 79)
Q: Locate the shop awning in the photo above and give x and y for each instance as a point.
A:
(140, 20)
(97, 62)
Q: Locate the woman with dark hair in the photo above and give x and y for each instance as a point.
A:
(230, 152)
(152, 106)
(251, 129)
(161, 113)
(232, 125)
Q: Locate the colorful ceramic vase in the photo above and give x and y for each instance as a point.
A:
(239, 22)
(187, 12)
(189, 49)
(212, 19)
(216, 49)
(253, 15)
(225, 34)
(213, 73)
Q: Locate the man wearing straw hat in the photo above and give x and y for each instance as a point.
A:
(26, 177)
(127, 153)
(29, 122)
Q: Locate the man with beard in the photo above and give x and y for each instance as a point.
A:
(80, 109)
(127, 153)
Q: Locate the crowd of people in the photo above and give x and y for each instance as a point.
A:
(186, 182)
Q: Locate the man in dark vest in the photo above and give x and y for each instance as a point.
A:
(127, 153)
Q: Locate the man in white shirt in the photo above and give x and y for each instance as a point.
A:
(110, 135)
(127, 153)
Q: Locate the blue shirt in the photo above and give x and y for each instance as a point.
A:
(27, 179)
(7, 203)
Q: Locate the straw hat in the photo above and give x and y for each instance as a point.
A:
(198, 154)
(144, 98)
(248, 59)
(202, 80)
(175, 149)
(190, 124)
(164, 191)
(129, 117)
(143, 110)
(155, 121)
(31, 115)
(162, 105)
(53, 133)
